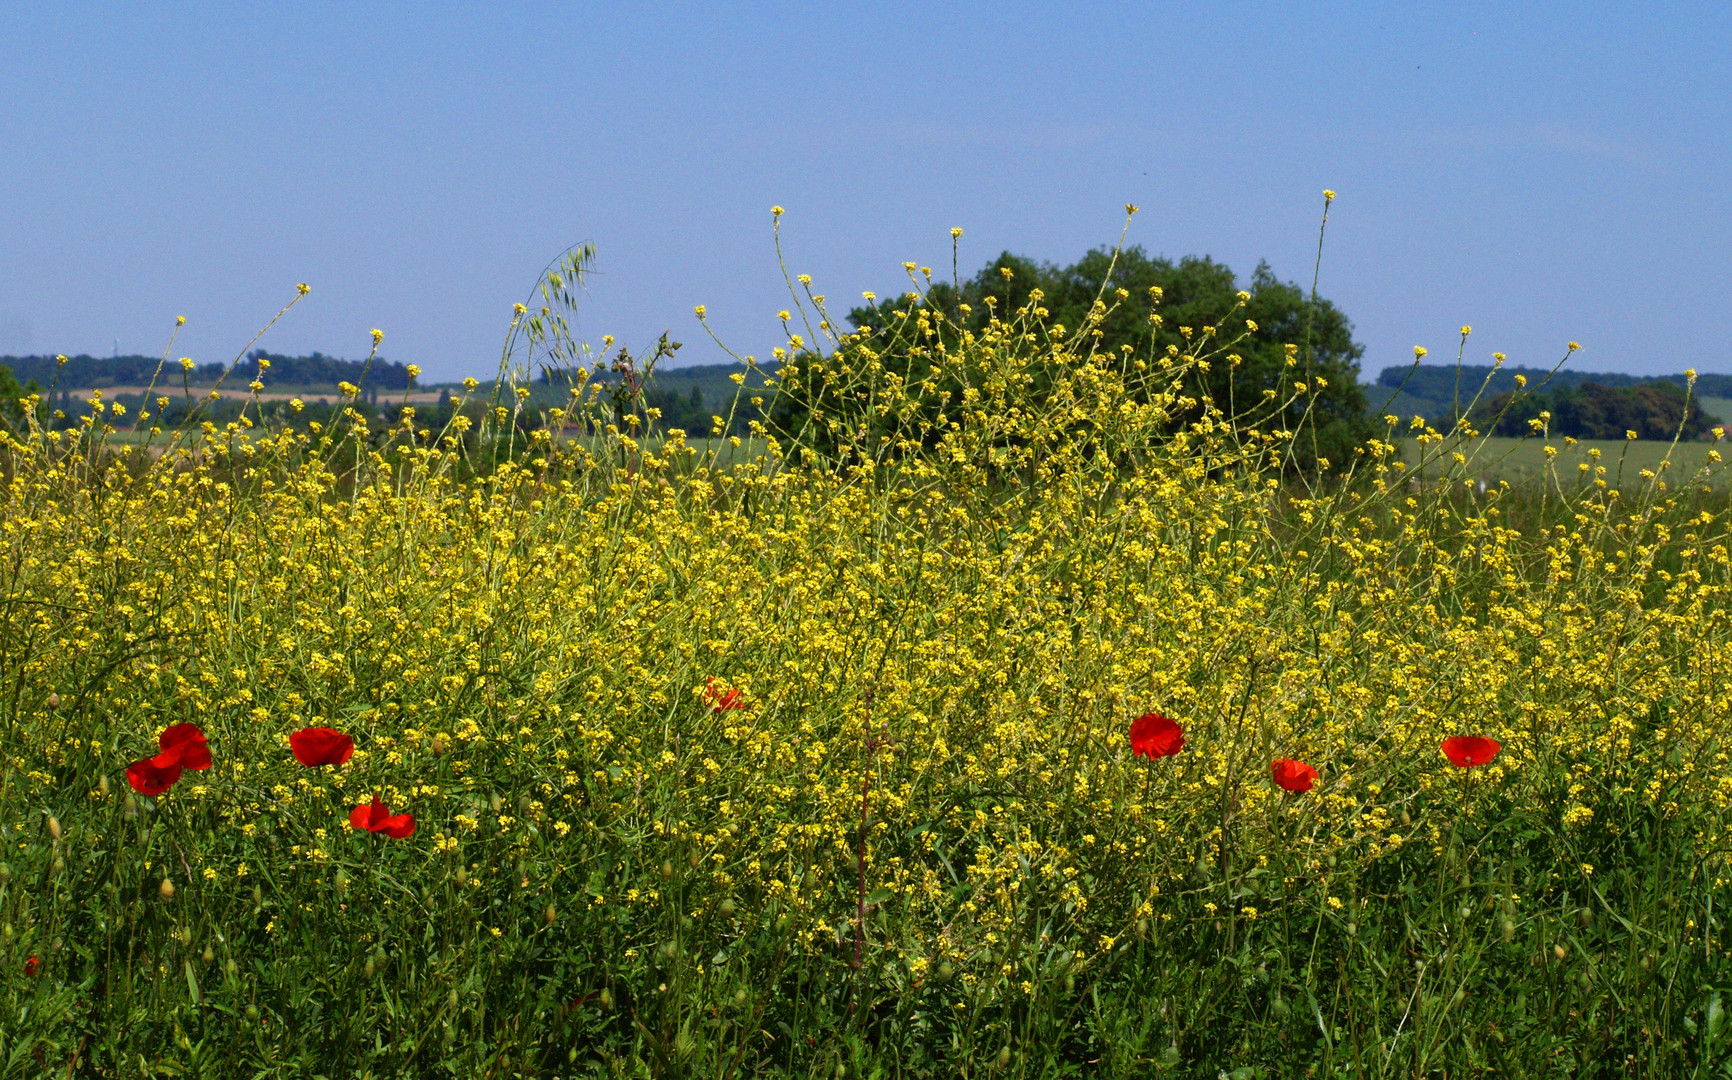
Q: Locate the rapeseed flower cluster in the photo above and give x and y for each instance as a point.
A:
(959, 691)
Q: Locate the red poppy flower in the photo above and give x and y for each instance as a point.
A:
(184, 744)
(378, 818)
(1155, 736)
(321, 746)
(1293, 775)
(721, 702)
(152, 776)
(1466, 751)
(31, 967)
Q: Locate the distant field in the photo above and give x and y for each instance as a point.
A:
(1516, 460)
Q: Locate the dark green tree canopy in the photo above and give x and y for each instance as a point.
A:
(1194, 295)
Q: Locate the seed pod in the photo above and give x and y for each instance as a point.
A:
(184, 935)
(258, 896)
(1586, 917)
(1352, 929)
(342, 882)
(368, 968)
(252, 1012)
(438, 746)
(1466, 910)
(53, 827)
(1508, 928)
(727, 907)
(550, 914)
(1406, 819)
(231, 967)
(695, 858)
(606, 998)
(945, 971)
(451, 998)
(207, 956)
(102, 785)
(667, 870)
(1559, 951)
(166, 889)
(53, 700)
(740, 996)
(462, 876)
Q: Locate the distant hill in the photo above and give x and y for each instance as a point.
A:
(100, 372)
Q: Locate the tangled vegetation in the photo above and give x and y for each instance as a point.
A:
(675, 755)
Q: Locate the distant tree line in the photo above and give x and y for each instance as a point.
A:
(1583, 405)
(98, 372)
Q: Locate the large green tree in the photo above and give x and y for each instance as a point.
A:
(1185, 297)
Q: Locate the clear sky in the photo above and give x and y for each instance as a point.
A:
(1542, 172)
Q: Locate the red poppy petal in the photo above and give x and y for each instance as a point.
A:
(1156, 736)
(152, 776)
(176, 734)
(1290, 775)
(315, 746)
(366, 815)
(397, 826)
(187, 743)
(1467, 751)
(32, 966)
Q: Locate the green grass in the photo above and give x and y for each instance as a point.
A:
(1524, 460)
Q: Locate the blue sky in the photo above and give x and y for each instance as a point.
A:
(1542, 172)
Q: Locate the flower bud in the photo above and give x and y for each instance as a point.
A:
(606, 998)
(550, 914)
(58, 866)
(727, 907)
(129, 807)
(53, 700)
(1508, 928)
(53, 826)
(740, 996)
(1004, 1057)
(462, 876)
(166, 889)
(667, 870)
(438, 746)
(1559, 951)
(207, 956)
(1406, 819)
(368, 968)
(258, 896)
(102, 785)
(451, 998)
(497, 802)
(252, 1012)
